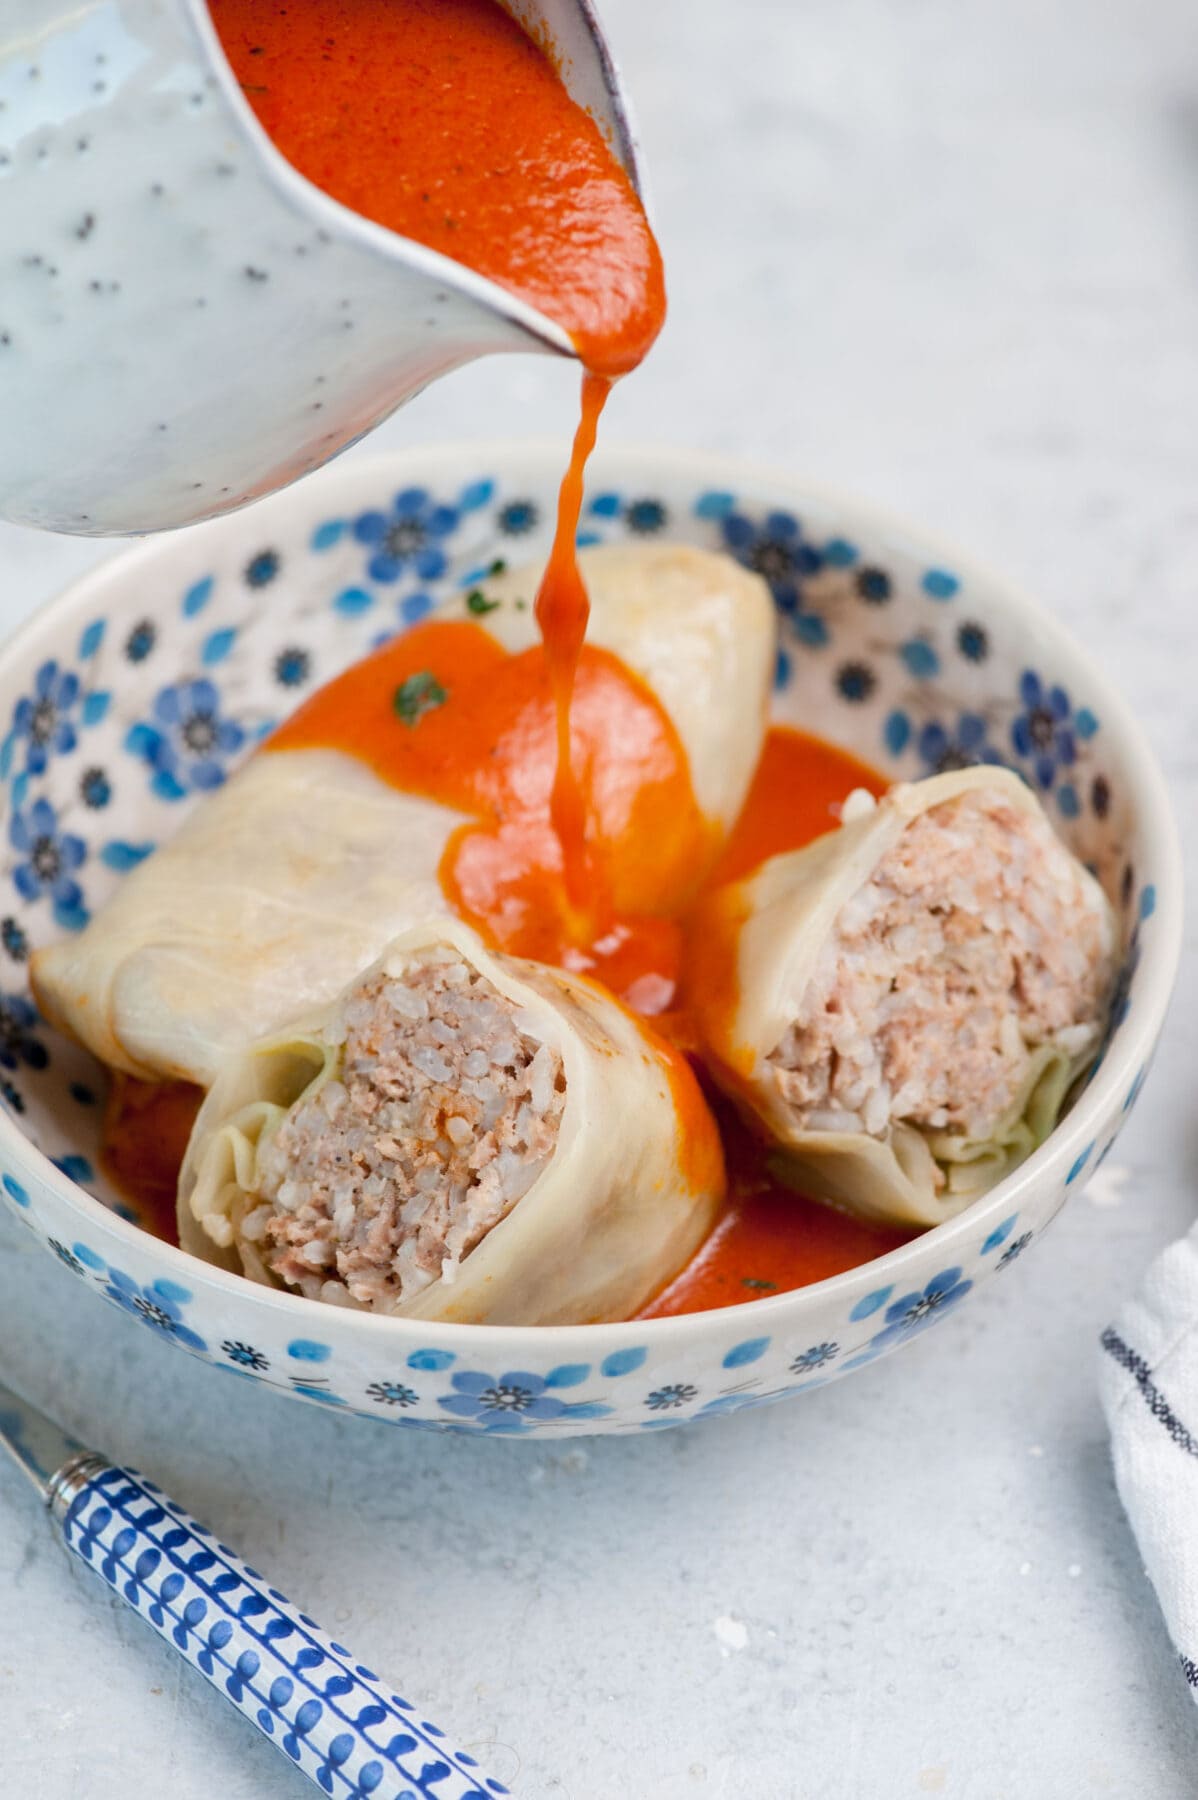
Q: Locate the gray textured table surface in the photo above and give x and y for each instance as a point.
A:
(943, 252)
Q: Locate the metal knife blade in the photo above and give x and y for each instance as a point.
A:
(37, 1446)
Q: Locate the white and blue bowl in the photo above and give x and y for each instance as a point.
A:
(127, 699)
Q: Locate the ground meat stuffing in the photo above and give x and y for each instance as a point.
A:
(978, 938)
(446, 1111)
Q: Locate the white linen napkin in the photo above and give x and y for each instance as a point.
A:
(1149, 1384)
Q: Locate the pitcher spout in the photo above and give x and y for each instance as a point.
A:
(192, 324)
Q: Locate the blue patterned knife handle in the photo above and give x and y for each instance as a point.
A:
(333, 1718)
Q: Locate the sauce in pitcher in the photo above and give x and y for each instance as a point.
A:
(443, 121)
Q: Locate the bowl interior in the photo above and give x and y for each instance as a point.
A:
(126, 701)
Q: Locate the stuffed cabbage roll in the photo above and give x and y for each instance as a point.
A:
(461, 1135)
(307, 862)
(904, 1003)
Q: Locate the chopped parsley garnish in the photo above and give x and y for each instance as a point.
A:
(477, 602)
(761, 1287)
(418, 695)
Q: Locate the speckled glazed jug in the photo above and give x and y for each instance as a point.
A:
(185, 322)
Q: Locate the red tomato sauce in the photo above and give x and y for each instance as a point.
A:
(768, 1238)
(145, 1132)
(796, 795)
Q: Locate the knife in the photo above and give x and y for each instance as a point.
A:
(336, 1721)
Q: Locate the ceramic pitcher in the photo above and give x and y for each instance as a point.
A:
(186, 323)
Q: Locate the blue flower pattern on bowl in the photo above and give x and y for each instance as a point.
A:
(913, 1313)
(187, 744)
(66, 1257)
(159, 1304)
(42, 720)
(903, 686)
(392, 1393)
(409, 536)
(776, 549)
(49, 861)
(1015, 1249)
(501, 1402)
(671, 1397)
(1046, 732)
(959, 745)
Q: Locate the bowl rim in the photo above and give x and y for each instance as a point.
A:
(760, 481)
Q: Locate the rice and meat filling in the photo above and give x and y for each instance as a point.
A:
(977, 939)
(444, 1111)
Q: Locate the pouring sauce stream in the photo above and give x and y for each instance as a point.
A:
(562, 611)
